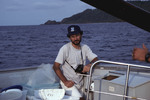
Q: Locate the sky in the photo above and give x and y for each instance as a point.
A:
(35, 12)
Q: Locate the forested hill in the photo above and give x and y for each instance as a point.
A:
(96, 15)
(90, 16)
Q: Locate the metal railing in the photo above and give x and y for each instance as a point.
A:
(89, 79)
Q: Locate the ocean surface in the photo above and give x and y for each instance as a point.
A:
(27, 46)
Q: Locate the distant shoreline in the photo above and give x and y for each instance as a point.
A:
(95, 15)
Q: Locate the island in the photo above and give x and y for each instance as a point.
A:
(96, 15)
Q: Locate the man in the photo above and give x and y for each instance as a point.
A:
(70, 56)
(141, 54)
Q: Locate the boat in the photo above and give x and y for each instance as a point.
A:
(107, 80)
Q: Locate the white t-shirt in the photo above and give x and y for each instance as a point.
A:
(73, 57)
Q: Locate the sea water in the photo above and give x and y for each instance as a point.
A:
(27, 46)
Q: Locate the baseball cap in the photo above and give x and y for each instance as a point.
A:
(74, 29)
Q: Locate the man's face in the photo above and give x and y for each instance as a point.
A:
(76, 39)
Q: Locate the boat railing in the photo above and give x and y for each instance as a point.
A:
(124, 96)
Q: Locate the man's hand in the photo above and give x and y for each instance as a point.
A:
(139, 53)
(69, 83)
(86, 68)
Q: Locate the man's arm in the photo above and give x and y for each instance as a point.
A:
(140, 54)
(88, 66)
(95, 59)
(67, 83)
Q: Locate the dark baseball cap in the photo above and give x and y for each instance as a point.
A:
(74, 29)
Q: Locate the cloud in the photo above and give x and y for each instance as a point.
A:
(12, 5)
(46, 6)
